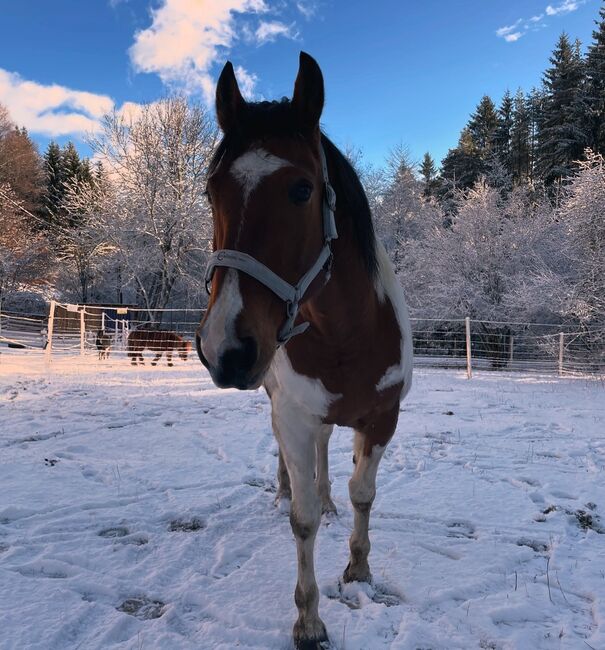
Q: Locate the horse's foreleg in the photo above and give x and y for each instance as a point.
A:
(158, 356)
(370, 444)
(169, 358)
(322, 475)
(296, 436)
(284, 490)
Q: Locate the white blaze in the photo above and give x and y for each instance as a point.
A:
(250, 169)
(218, 332)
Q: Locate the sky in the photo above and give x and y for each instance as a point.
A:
(397, 72)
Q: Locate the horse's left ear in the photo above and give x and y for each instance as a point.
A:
(308, 97)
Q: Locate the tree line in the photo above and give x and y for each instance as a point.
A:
(510, 228)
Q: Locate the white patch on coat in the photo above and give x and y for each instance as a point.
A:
(308, 394)
(218, 332)
(387, 286)
(250, 169)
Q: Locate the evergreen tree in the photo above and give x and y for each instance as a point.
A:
(428, 171)
(54, 192)
(483, 127)
(463, 165)
(504, 132)
(520, 138)
(561, 137)
(595, 87)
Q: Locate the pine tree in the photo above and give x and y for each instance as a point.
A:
(483, 127)
(54, 192)
(595, 87)
(428, 171)
(520, 138)
(504, 132)
(463, 165)
(561, 135)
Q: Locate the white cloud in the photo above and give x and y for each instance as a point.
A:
(307, 8)
(508, 29)
(52, 110)
(268, 31)
(56, 111)
(246, 82)
(514, 32)
(565, 7)
(186, 37)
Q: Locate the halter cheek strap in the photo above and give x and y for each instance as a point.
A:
(292, 295)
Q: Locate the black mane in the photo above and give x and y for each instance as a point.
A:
(264, 119)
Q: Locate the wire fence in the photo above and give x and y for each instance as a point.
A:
(116, 332)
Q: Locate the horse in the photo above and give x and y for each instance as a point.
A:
(158, 341)
(103, 343)
(304, 301)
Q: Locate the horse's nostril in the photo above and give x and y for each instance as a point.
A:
(236, 363)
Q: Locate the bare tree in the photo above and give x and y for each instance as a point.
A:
(152, 212)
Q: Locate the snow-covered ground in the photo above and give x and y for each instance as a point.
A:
(136, 511)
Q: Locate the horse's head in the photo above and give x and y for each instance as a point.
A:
(185, 349)
(267, 189)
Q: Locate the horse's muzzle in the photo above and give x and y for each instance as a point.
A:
(235, 367)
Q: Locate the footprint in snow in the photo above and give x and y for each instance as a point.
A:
(461, 529)
(142, 608)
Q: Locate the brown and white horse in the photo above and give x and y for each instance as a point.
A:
(305, 301)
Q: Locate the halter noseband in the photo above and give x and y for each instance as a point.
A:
(291, 295)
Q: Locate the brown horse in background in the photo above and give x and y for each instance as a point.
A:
(157, 341)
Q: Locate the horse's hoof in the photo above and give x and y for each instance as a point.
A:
(170, 365)
(328, 507)
(357, 574)
(305, 639)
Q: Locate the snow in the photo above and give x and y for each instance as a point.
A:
(136, 511)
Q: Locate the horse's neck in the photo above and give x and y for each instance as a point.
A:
(346, 307)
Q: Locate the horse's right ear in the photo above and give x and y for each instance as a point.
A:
(229, 101)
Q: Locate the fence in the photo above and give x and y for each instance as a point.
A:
(70, 330)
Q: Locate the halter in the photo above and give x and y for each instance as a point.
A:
(291, 295)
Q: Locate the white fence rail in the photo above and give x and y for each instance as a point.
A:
(468, 344)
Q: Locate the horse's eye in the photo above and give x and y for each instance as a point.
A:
(300, 192)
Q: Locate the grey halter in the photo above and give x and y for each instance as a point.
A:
(291, 295)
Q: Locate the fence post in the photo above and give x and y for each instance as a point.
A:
(561, 347)
(82, 330)
(469, 367)
(49, 333)
(510, 350)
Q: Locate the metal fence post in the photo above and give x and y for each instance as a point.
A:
(469, 367)
(511, 343)
(561, 347)
(82, 330)
(49, 333)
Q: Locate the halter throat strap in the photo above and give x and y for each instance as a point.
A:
(292, 295)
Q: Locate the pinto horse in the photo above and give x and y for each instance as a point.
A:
(303, 300)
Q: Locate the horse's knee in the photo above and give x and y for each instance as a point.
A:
(305, 525)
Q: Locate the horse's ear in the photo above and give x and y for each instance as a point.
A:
(229, 101)
(308, 97)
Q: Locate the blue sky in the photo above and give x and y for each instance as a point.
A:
(396, 72)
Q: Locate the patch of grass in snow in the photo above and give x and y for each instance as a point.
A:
(186, 526)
